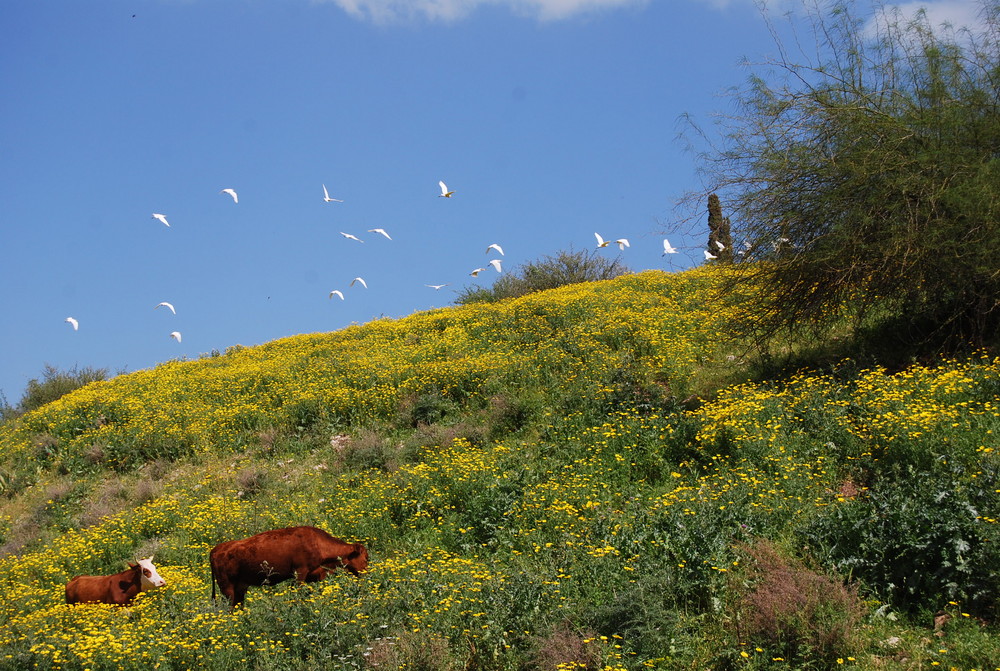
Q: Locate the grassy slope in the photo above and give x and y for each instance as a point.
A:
(531, 490)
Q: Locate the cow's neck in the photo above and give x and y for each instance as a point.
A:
(131, 582)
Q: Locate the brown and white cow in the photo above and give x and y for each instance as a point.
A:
(307, 554)
(118, 589)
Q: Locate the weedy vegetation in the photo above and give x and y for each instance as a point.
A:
(538, 491)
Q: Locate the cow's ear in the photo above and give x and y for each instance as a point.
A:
(131, 565)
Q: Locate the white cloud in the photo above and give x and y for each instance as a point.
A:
(389, 11)
(957, 14)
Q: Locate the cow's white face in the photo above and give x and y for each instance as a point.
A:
(150, 577)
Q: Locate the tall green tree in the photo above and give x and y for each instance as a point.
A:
(720, 241)
(867, 181)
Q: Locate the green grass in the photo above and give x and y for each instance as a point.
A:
(534, 494)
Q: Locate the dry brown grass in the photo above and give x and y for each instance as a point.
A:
(251, 481)
(30, 513)
(420, 651)
(567, 648)
(778, 600)
(113, 497)
(434, 435)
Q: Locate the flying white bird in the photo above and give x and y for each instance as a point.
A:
(436, 287)
(475, 273)
(351, 237)
(496, 264)
(337, 292)
(75, 323)
(232, 193)
(380, 231)
(358, 279)
(709, 255)
(167, 305)
(162, 218)
(720, 245)
(601, 242)
(176, 335)
(326, 196)
(622, 243)
(667, 249)
(496, 247)
(445, 193)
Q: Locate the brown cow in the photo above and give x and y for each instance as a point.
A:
(118, 589)
(307, 554)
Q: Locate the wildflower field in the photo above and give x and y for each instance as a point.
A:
(538, 489)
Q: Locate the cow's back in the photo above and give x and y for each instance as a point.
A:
(95, 589)
(271, 556)
(317, 547)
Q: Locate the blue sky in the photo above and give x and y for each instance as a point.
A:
(550, 119)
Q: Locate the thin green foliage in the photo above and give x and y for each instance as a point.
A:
(863, 179)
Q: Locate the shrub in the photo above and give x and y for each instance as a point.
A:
(372, 449)
(547, 273)
(565, 649)
(919, 542)
(428, 408)
(251, 481)
(7, 411)
(858, 173)
(56, 383)
(508, 414)
(797, 612)
(418, 651)
(653, 615)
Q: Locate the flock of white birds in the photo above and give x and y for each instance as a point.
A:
(495, 263)
(445, 193)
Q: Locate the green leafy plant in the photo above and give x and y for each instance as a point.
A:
(920, 541)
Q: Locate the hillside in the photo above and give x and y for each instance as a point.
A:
(537, 489)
